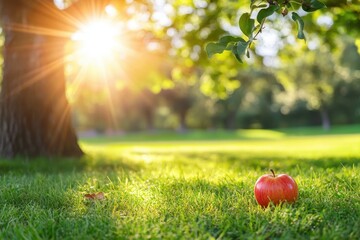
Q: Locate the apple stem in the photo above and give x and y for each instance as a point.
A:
(272, 172)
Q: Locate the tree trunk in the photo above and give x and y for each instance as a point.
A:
(182, 121)
(230, 120)
(149, 117)
(35, 118)
(231, 109)
(325, 119)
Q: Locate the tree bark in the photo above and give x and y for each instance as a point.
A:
(182, 120)
(230, 119)
(325, 119)
(149, 117)
(35, 116)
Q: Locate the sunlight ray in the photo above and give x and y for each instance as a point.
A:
(37, 75)
(109, 97)
(59, 134)
(39, 30)
(77, 81)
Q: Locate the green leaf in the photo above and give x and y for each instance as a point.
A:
(225, 43)
(214, 48)
(312, 5)
(234, 51)
(228, 39)
(246, 24)
(300, 25)
(264, 13)
(241, 47)
(239, 50)
(258, 6)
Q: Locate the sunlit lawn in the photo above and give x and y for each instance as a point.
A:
(174, 188)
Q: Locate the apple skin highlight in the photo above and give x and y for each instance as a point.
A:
(276, 189)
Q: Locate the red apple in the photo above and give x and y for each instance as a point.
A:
(275, 189)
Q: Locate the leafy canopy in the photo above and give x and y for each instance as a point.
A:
(251, 24)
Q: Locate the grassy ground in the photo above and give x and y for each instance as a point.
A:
(201, 188)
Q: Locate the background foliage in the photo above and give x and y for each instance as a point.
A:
(168, 81)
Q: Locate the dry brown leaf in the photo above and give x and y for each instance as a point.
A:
(95, 196)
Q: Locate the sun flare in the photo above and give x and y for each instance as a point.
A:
(98, 41)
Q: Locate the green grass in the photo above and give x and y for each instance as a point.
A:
(187, 188)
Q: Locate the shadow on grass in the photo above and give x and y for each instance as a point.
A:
(251, 161)
(236, 161)
(66, 165)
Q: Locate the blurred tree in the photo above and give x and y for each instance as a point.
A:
(312, 79)
(180, 99)
(350, 58)
(227, 109)
(260, 99)
(35, 117)
(345, 105)
(251, 104)
(136, 108)
(146, 103)
(202, 112)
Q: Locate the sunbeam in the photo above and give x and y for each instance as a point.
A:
(94, 39)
